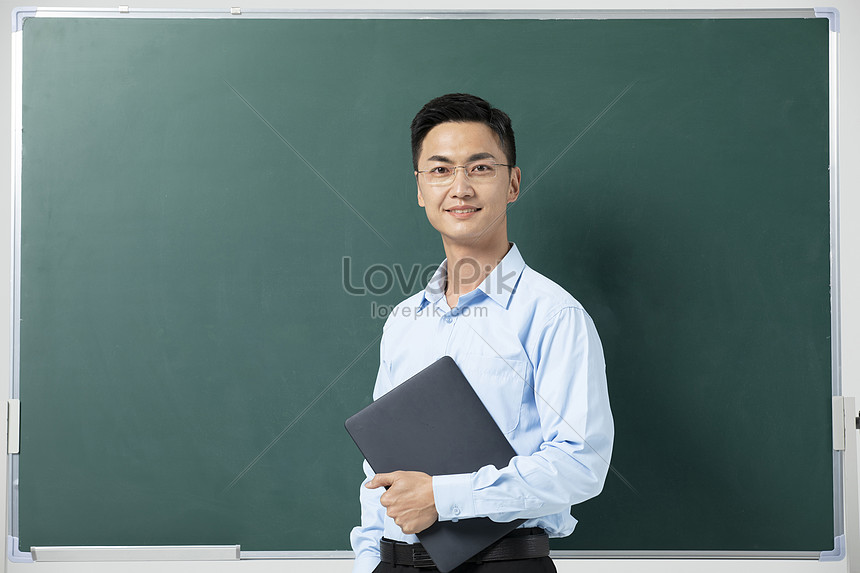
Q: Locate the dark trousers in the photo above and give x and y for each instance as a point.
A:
(539, 565)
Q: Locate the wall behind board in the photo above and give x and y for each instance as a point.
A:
(850, 272)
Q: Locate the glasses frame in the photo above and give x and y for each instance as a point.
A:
(454, 169)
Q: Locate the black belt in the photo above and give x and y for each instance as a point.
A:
(527, 543)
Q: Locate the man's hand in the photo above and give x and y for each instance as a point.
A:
(409, 500)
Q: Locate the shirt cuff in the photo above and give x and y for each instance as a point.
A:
(453, 496)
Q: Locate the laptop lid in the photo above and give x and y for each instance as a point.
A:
(435, 423)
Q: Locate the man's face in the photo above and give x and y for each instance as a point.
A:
(469, 212)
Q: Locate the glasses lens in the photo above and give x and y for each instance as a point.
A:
(440, 174)
(481, 170)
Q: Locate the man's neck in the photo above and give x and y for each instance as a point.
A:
(469, 266)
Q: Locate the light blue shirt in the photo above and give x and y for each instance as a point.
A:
(533, 356)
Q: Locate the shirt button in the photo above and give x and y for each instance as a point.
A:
(449, 320)
(455, 510)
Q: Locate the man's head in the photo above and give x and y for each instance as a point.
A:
(465, 172)
(462, 108)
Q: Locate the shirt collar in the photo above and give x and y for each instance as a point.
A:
(499, 284)
(502, 280)
(435, 288)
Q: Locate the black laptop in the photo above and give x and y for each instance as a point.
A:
(435, 423)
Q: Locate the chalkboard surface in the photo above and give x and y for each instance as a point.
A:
(217, 214)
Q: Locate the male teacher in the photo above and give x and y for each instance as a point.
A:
(528, 348)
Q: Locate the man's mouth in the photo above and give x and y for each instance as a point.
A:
(463, 211)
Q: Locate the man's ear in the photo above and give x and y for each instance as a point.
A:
(420, 197)
(514, 189)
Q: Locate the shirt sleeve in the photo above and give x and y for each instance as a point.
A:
(577, 430)
(365, 537)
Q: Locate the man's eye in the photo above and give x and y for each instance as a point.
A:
(441, 170)
(482, 168)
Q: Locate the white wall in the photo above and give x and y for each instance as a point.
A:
(849, 126)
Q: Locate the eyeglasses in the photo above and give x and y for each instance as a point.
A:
(480, 171)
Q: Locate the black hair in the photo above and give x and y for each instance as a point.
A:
(462, 108)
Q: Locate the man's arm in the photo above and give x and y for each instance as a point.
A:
(365, 537)
(577, 429)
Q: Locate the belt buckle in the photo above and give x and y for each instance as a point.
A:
(421, 559)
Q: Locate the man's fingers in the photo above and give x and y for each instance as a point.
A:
(380, 480)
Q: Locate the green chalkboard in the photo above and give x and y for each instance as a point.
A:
(216, 214)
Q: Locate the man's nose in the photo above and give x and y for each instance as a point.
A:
(461, 186)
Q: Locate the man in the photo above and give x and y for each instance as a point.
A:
(527, 347)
